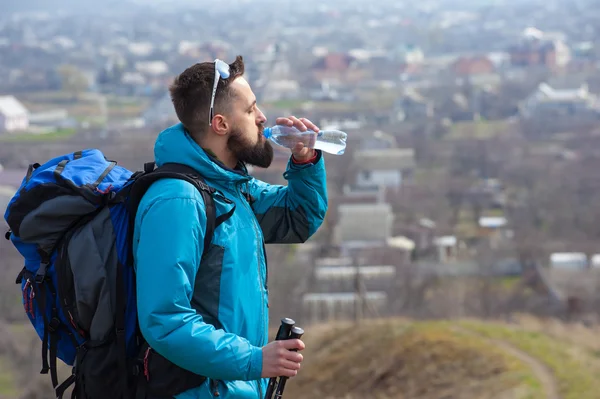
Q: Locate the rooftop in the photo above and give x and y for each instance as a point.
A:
(10, 106)
(385, 159)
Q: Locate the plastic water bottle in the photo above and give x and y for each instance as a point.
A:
(331, 141)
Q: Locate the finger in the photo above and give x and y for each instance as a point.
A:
(295, 357)
(298, 124)
(293, 344)
(285, 372)
(290, 365)
(309, 125)
(284, 121)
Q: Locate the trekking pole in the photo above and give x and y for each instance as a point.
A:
(282, 333)
(296, 333)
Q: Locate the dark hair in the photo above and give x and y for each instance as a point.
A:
(191, 93)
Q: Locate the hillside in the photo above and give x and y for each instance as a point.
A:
(433, 360)
(402, 359)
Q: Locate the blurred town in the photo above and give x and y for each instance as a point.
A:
(469, 186)
(472, 131)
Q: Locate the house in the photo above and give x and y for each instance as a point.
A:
(447, 248)
(487, 193)
(492, 223)
(378, 141)
(383, 167)
(568, 260)
(422, 233)
(355, 286)
(280, 89)
(595, 261)
(152, 68)
(472, 66)
(561, 108)
(571, 274)
(495, 229)
(13, 115)
(320, 307)
(340, 66)
(408, 55)
(366, 223)
(537, 48)
(413, 107)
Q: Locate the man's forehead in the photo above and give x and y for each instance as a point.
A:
(241, 87)
(242, 90)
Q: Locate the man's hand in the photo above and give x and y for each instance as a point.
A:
(279, 360)
(300, 153)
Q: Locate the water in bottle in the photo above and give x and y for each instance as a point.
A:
(331, 141)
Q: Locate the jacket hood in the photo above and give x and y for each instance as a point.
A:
(175, 144)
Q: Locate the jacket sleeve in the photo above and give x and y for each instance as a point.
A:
(292, 213)
(167, 257)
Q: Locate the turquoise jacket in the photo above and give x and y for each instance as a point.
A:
(214, 320)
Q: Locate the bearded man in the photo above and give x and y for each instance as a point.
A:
(206, 309)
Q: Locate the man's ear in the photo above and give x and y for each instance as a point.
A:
(220, 125)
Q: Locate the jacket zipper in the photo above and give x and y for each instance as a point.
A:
(262, 299)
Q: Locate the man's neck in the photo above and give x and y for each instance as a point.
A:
(221, 153)
(226, 157)
(216, 150)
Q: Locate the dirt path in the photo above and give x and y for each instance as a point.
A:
(543, 374)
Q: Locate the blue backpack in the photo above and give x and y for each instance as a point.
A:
(72, 221)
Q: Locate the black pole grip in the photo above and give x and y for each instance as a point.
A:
(285, 328)
(283, 333)
(296, 333)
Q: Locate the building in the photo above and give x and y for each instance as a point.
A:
(562, 108)
(366, 223)
(13, 115)
(383, 167)
(413, 107)
(473, 66)
(537, 48)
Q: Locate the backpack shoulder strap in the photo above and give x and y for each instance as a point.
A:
(183, 172)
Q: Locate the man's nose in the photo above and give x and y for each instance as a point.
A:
(261, 117)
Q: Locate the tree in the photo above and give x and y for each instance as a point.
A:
(73, 80)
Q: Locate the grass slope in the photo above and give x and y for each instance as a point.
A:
(400, 359)
(575, 367)
(8, 387)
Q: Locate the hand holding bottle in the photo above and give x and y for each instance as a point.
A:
(300, 145)
(302, 136)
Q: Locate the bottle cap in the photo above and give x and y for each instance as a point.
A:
(267, 132)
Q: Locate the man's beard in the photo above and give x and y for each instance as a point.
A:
(259, 154)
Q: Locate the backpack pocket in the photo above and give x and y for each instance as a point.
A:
(160, 377)
(98, 372)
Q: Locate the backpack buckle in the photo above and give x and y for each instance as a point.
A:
(205, 186)
(39, 278)
(149, 167)
(54, 324)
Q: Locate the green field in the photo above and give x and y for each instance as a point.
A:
(59, 134)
